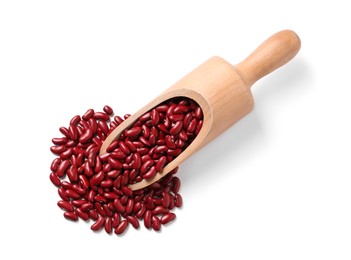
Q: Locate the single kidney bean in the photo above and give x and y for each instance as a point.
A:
(121, 227)
(160, 210)
(108, 225)
(133, 221)
(88, 114)
(161, 163)
(178, 201)
(80, 213)
(62, 193)
(59, 141)
(65, 132)
(147, 219)
(114, 163)
(86, 207)
(101, 115)
(133, 132)
(155, 223)
(175, 185)
(54, 179)
(65, 205)
(97, 178)
(72, 194)
(55, 164)
(57, 149)
(166, 218)
(86, 136)
(98, 224)
(73, 132)
(165, 199)
(79, 190)
(116, 220)
(108, 110)
(93, 214)
(118, 206)
(146, 165)
(70, 215)
(78, 203)
(129, 206)
(150, 173)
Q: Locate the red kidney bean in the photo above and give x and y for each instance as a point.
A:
(127, 191)
(145, 117)
(160, 210)
(78, 203)
(149, 203)
(162, 108)
(87, 170)
(107, 210)
(161, 163)
(99, 209)
(175, 118)
(155, 118)
(100, 199)
(169, 142)
(167, 218)
(198, 127)
(176, 128)
(88, 114)
(86, 136)
(170, 110)
(108, 225)
(161, 149)
(103, 126)
(97, 178)
(141, 212)
(72, 194)
(126, 116)
(62, 194)
(73, 131)
(108, 110)
(79, 190)
(75, 120)
(59, 141)
(70, 215)
(61, 170)
(110, 195)
(198, 113)
(133, 221)
(121, 227)
(183, 136)
(55, 164)
(180, 109)
(175, 185)
(171, 203)
(131, 146)
(146, 165)
(82, 214)
(86, 206)
(99, 223)
(65, 132)
(147, 219)
(174, 152)
(145, 131)
(101, 116)
(57, 149)
(178, 201)
(150, 173)
(116, 220)
(133, 132)
(72, 174)
(165, 199)
(187, 119)
(114, 163)
(118, 206)
(54, 179)
(155, 223)
(106, 183)
(65, 205)
(93, 214)
(163, 128)
(192, 125)
(112, 146)
(129, 206)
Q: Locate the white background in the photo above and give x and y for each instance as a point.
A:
(277, 185)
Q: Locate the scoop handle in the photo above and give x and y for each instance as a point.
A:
(273, 53)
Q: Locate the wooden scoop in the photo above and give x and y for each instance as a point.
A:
(222, 91)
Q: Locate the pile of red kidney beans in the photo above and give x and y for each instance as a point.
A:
(96, 186)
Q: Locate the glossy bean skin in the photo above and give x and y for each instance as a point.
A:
(65, 205)
(166, 218)
(54, 179)
(121, 227)
(155, 223)
(147, 219)
(99, 223)
(133, 221)
(70, 216)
